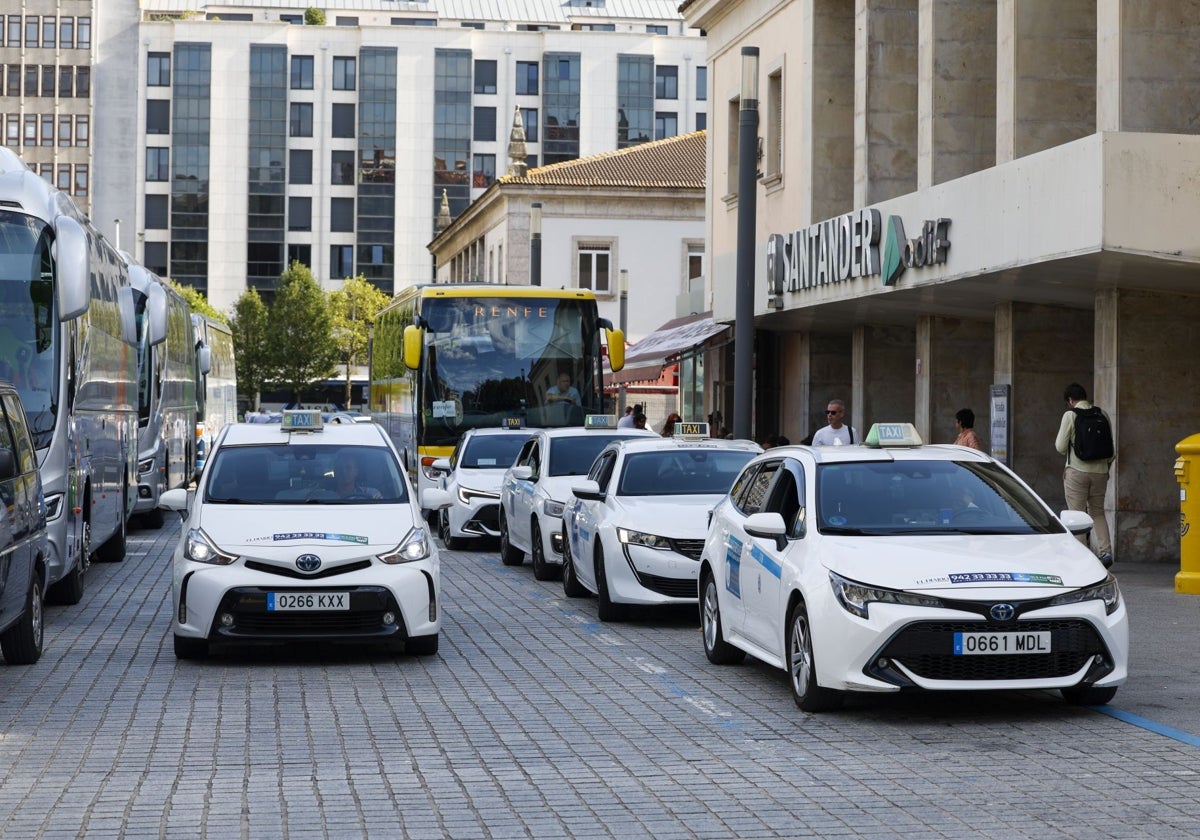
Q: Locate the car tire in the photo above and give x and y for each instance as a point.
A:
(541, 569)
(572, 588)
(509, 555)
(1089, 695)
(421, 645)
(188, 648)
(608, 610)
(22, 643)
(451, 543)
(68, 590)
(802, 666)
(718, 651)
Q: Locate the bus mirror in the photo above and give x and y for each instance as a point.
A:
(616, 350)
(71, 260)
(414, 337)
(204, 359)
(156, 315)
(127, 312)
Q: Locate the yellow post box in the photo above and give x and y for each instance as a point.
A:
(1186, 469)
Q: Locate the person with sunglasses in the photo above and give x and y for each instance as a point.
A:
(837, 433)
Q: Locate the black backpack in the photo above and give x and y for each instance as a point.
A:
(1093, 435)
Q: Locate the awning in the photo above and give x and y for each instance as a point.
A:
(646, 359)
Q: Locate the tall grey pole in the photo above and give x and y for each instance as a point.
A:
(623, 319)
(535, 244)
(743, 327)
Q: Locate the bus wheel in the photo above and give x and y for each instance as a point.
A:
(153, 519)
(113, 550)
(68, 590)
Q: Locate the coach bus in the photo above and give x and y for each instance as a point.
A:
(450, 357)
(217, 378)
(68, 342)
(166, 391)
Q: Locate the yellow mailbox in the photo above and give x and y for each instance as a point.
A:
(1188, 579)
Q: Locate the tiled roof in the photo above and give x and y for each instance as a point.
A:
(676, 162)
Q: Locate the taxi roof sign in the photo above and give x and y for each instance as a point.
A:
(600, 421)
(302, 420)
(690, 431)
(883, 435)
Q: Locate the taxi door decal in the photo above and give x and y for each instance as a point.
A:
(733, 566)
(767, 561)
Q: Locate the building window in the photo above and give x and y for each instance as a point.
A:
(666, 124)
(158, 163)
(300, 213)
(156, 212)
(83, 82)
(666, 81)
(654, 29)
(47, 172)
(343, 119)
(702, 83)
(471, 24)
(14, 30)
(732, 141)
(300, 122)
(66, 33)
(31, 80)
(66, 81)
(47, 129)
(83, 33)
(341, 215)
(81, 180)
(527, 78)
(158, 116)
(413, 22)
(346, 21)
(83, 130)
(300, 253)
(31, 129)
(300, 166)
(593, 267)
(529, 117)
(341, 261)
(294, 20)
(48, 80)
(12, 131)
(485, 76)
(31, 30)
(773, 165)
(560, 106)
(483, 171)
(49, 26)
(635, 99)
(155, 256)
(302, 72)
(65, 124)
(701, 121)
(14, 79)
(344, 69)
(485, 124)
(695, 263)
(341, 168)
(158, 69)
(64, 177)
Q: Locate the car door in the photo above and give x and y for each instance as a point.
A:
(746, 494)
(765, 599)
(589, 516)
(524, 497)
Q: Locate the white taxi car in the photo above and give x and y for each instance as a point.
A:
(634, 529)
(892, 566)
(300, 532)
(537, 486)
(472, 476)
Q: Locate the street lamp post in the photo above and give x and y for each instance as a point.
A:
(623, 318)
(535, 244)
(743, 327)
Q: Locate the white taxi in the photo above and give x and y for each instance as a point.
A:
(634, 529)
(301, 532)
(472, 476)
(535, 489)
(892, 566)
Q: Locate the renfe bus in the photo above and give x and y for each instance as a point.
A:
(447, 358)
(217, 392)
(67, 341)
(166, 391)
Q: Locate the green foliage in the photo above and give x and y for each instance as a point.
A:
(300, 329)
(314, 17)
(198, 302)
(250, 344)
(353, 308)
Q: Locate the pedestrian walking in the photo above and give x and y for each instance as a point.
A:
(1085, 437)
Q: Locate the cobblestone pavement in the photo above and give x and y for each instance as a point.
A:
(534, 720)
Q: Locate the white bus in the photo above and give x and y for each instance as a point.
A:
(166, 391)
(217, 376)
(67, 341)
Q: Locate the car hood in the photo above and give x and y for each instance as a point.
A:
(489, 481)
(952, 565)
(684, 517)
(332, 530)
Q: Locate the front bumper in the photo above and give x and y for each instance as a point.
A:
(481, 520)
(640, 575)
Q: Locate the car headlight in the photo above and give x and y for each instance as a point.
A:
(553, 508)
(1106, 591)
(856, 597)
(201, 549)
(413, 547)
(628, 537)
(468, 496)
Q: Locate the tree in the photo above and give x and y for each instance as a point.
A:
(249, 326)
(314, 17)
(354, 307)
(198, 302)
(300, 331)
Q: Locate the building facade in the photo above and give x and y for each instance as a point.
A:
(258, 140)
(969, 203)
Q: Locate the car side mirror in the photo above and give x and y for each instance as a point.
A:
(175, 499)
(434, 498)
(768, 526)
(1078, 522)
(442, 464)
(522, 473)
(589, 491)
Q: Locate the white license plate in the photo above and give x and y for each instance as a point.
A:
(977, 644)
(307, 601)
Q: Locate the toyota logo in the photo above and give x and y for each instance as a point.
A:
(311, 562)
(999, 612)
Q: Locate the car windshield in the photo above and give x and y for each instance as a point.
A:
(681, 472)
(574, 455)
(926, 497)
(282, 474)
(487, 452)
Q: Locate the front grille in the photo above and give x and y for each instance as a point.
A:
(926, 649)
(252, 620)
(488, 516)
(670, 587)
(285, 571)
(689, 548)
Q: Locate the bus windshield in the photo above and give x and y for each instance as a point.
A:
(28, 346)
(487, 358)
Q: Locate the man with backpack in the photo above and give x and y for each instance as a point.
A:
(1085, 437)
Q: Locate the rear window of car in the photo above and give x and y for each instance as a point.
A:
(681, 472)
(322, 474)
(574, 455)
(491, 451)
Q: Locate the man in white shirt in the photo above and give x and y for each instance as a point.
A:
(836, 433)
(626, 421)
(564, 391)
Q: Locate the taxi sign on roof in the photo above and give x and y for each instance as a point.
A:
(690, 431)
(600, 421)
(892, 434)
(306, 420)
(513, 423)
